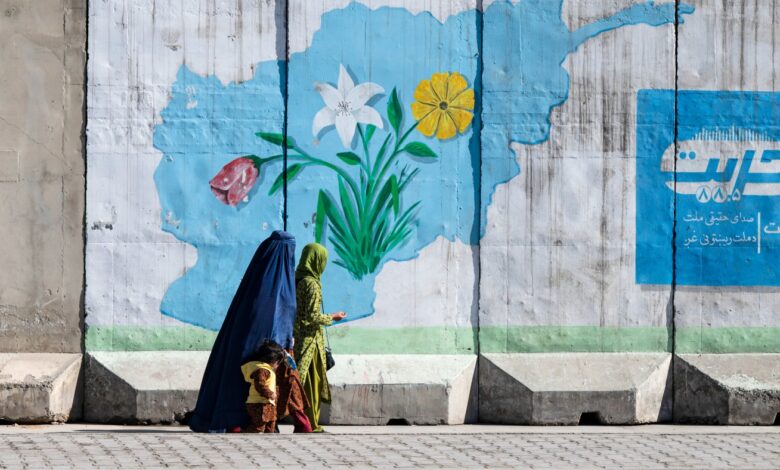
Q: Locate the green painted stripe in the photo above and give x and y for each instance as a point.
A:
(450, 340)
(344, 339)
(149, 338)
(692, 340)
(410, 340)
(538, 339)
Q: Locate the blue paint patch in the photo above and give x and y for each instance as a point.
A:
(525, 45)
(207, 124)
(724, 180)
(204, 125)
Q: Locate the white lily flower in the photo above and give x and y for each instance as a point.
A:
(345, 107)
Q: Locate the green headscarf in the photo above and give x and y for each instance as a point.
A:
(312, 263)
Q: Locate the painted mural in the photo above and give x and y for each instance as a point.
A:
(387, 151)
(365, 220)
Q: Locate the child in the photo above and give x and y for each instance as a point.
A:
(260, 372)
(292, 399)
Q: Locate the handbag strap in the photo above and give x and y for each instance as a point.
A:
(327, 338)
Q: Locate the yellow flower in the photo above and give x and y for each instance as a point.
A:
(443, 105)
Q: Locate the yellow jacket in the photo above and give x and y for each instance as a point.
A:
(262, 388)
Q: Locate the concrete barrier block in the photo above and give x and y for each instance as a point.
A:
(737, 389)
(142, 386)
(418, 388)
(562, 388)
(40, 387)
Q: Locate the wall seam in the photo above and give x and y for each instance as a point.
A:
(673, 348)
(285, 97)
(478, 205)
(83, 300)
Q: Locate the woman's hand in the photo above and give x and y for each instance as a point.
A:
(338, 316)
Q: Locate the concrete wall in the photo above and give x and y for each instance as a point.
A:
(558, 217)
(175, 96)
(41, 174)
(734, 310)
(558, 256)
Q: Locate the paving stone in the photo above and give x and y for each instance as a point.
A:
(562, 451)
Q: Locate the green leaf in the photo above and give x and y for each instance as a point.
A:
(396, 195)
(382, 150)
(401, 229)
(276, 139)
(319, 220)
(292, 171)
(348, 208)
(419, 149)
(350, 158)
(394, 111)
(370, 132)
(402, 182)
(398, 239)
(381, 200)
(335, 218)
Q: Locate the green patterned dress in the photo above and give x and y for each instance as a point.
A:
(308, 332)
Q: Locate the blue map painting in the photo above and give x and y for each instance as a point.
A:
(494, 78)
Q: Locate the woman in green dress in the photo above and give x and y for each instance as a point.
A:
(308, 332)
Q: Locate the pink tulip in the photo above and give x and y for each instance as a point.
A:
(234, 181)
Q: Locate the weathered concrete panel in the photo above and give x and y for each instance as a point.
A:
(727, 388)
(41, 174)
(734, 307)
(145, 55)
(161, 386)
(170, 123)
(421, 389)
(145, 387)
(558, 254)
(559, 388)
(40, 387)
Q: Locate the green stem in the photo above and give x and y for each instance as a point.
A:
(374, 180)
(367, 163)
(396, 151)
(317, 161)
(380, 156)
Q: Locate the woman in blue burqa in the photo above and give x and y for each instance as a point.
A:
(262, 308)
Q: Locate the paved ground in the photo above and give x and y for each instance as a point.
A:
(639, 447)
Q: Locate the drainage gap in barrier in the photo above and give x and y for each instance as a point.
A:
(590, 418)
(398, 422)
(777, 420)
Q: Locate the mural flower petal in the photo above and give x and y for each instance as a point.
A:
(464, 100)
(331, 96)
(345, 81)
(447, 128)
(346, 106)
(420, 110)
(345, 126)
(234, 181)
(429, 123)
(368, 115)
(443, 105)
(455, 85)
(424, 93)
(325, 117)
(461, 118)
(439, 84)
(360, 95)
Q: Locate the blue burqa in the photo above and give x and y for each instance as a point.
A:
(263, 308)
